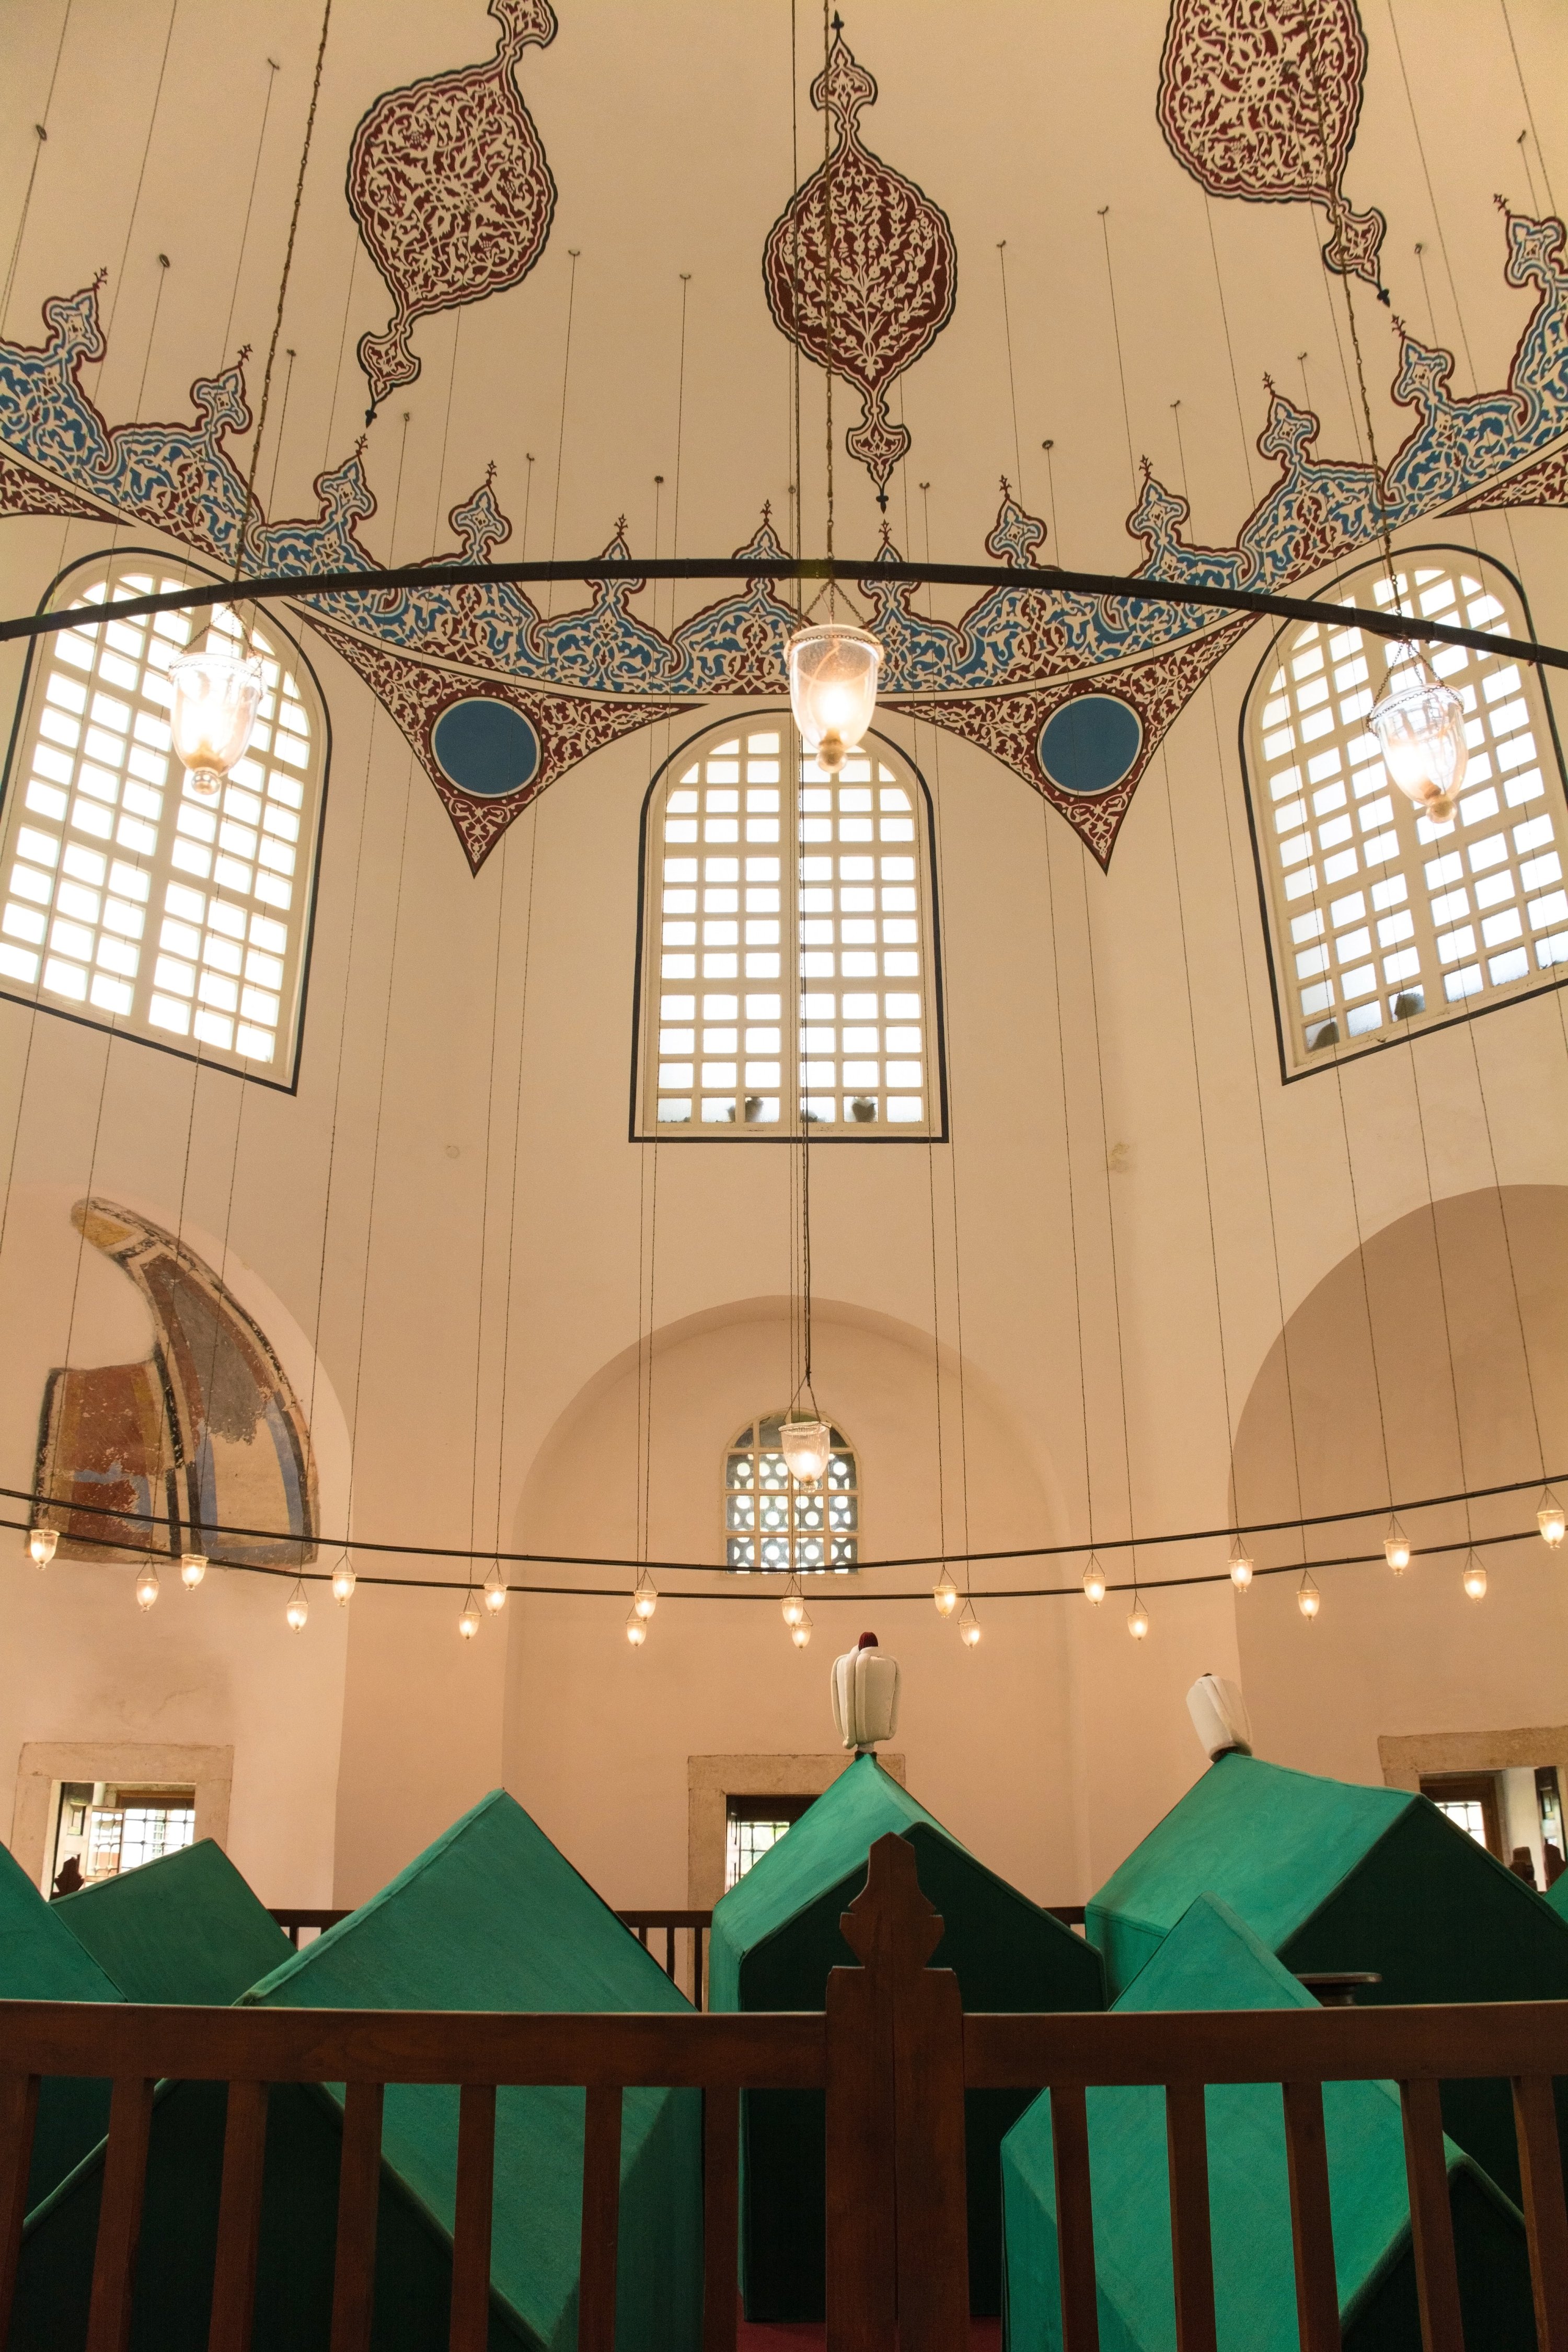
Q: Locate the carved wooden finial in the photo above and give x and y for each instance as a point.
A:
(891, 1927)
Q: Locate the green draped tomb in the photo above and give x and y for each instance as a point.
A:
(1210, 1960)
(775, 1937)
(490, 1917)
(1330, 1874)
(183, 1929)
(40, 1960)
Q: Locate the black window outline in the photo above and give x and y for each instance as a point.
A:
(934, 1132)
(47, 603)
(1380, 1041)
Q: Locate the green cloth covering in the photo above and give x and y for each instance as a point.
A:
(490, 1917)
(1332, 1875)
(183, 1929)
(41, 1960)
(1211, 1960)
(776, 1935)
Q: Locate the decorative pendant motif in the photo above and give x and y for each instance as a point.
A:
(448, 183)
(1259, 99)
(859, 268)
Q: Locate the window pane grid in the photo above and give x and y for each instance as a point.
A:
(1381, 917)
(127, 899)
(772, 1524)
(789, 934)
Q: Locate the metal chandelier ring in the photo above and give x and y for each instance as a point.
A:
(1239, 600)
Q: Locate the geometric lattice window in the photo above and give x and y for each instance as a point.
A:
(788, 946)
(773, 1524)
(1379, 918)
(128, 902)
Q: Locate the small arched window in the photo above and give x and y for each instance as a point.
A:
(773, 1524)
(127, 902)
(1380, 918)
(787, 946)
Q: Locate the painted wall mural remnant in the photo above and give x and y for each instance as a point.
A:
(1260, 99)
(205, 1432)
(498, 699)
(860, 269)
(449, 185)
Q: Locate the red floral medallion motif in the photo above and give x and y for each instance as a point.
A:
(568, 727)
(859, 268)
(1259, 99)
(449, 185)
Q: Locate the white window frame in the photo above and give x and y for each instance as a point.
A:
(800, 961)
(807, 1529)
(247, 945)
(1400, 858)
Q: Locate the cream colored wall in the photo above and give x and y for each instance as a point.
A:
(1056, 1744)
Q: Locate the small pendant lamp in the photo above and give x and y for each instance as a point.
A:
(944, 1592)
(806, 1446)
(1094, 1581)
(800, 1634)
(1420, 725)
(495, 1590)
(969, 1626)
(468, 1622)
(1396, 1548)
(298, 1609)
(192, 1567)
(216, 696)
(147, 1587)
(1550, 1520)
(833, 672)
(344, 1582)
(42, 1541)
(1240, 1565)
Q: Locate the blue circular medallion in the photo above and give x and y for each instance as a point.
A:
(1090, 743)
(486, 746)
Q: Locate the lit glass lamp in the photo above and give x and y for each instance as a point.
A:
(468, 1622)
(1240, 1565)
(344, 1582)
(1309, 1600)
(969, 1626)
(645, 1596)
(1420, 725)
(299, 1608)
(495, 1590)
(833, 672)
(147, 1587)
(1138, 1617)
(42, 1541)
(944, 1592)
(794, 1605)
(800, 1634)
(806, 1446)
(1396, 1548)
(192, 1567)
(636, 1629)
(216, 696)
(1474, 1579)
(1094, 1581)
(1550, 1518)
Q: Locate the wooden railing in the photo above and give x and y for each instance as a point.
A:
(695, 1923)
(292, 1921)
(894, 2053)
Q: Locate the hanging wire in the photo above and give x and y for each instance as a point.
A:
(273, 70)
(40, 134)
(535, 814)
(1247, 446)
(1431, 191)
(1530, 110)
(1116, 331)
(485, 1201)
(1507, 1245)
(574, 256)
(1012, 381)
(282, 291)
(136, 197)
(282, 428)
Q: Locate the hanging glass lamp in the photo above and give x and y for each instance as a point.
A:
(636, 1629)
(192, 1567)
(645, 1596)
(944, 1592)
(42, 1541)
(1420, 725)
(147, 1587)
(1094, 1581)
(468, 1622)
(832, 669)
(1474, 1579)
(792, 1605)
(1240, 1565)
(216, 696)
(1396, 1548)
(344, 1582)
(806, 1446)
(1138, 1617)
(969, 1626)
(495, 1590)
(800, 1634)
(1309, 1600)
(298, 1609)
(1550, 1520)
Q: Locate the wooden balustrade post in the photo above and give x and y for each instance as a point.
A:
(359, 2200)
(19, 2113)
(1431, 2218)
(720, 2215)
(120, 2215)
(601, 2219)
(1545, 2216)
(898, 2236)
(238, 2218)
(1075, 2218)
(473, 2219)
(1311, 2222)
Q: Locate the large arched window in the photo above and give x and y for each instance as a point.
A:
(1379, 918)
(787, 949)
(128, 902)
(771, 1522)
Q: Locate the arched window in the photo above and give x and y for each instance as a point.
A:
(128, 902)
(773, 1524)
(1380, 918)
(787, 946)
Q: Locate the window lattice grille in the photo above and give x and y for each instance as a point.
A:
(772, 1523)
(1381, 917)
(128, 902)
(794, 977)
